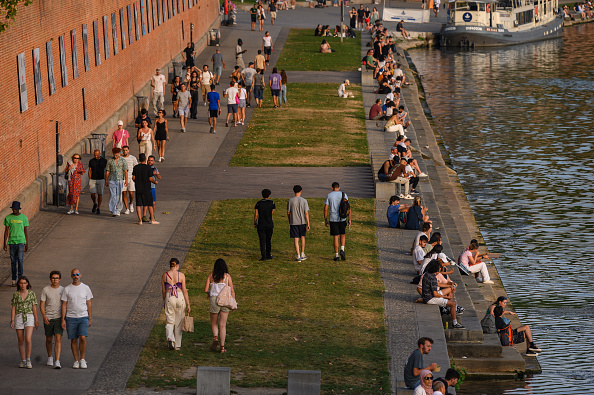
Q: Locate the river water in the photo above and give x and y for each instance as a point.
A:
(517, 123)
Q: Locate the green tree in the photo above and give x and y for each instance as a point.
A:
(8, 9)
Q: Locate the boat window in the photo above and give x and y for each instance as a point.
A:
(462, 6)
(473, 6)
(481, 6)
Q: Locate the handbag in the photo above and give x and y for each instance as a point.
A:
(188, 324)
(224, 299)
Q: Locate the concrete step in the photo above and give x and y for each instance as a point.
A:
(489, 348)
(510, 361)
(401, 388)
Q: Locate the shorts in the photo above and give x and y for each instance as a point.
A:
(18, 321)
(218, 70)
(297, 231)
(131, 186)
(97, 186)
(248, 88)
(214, 308)
(518, 337)
(258, 92)
(154, 193)
(77, 327)
(53, 328)
(275, 92)
(144, 199)
(441, 302)
(183, 111)
(273, 14)
(213, 113)
(267, 50)
(241, 103)
(253, 17)
(338, 228)
(232, 108)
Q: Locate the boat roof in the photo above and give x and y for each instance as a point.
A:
(475, 1)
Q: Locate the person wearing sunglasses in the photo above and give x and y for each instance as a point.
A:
(426, 386)
(76, 317)
(74, 170)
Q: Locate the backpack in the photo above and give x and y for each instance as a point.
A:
(345, 207)
(488, 324)
(402, 215)
(364, 61)
(506, 335)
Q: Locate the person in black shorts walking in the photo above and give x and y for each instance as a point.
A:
(143, 176)
(263, 223)
(214, 108)
(332, 218)
(298, 213)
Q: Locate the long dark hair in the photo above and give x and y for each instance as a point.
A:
(436, 250)
(219, 270)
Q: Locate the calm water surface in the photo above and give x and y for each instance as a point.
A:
(517, 123)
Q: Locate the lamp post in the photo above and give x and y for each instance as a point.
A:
(341, 19)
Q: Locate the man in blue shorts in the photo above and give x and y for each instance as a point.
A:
(76, 317)
(332, 218)
(214, 108)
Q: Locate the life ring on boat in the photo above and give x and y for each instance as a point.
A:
(535, 10)
(488, 7)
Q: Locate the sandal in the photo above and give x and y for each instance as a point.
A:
(223, 349)
(215, 343)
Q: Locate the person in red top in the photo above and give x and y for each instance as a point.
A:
(376, 109)
(120, 136)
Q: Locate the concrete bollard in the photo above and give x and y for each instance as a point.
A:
(213, 381)
(304, 382)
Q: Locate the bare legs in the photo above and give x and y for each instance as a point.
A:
(57, 346)
(218, 323)
(24, 337)
(79, 347)
(97, 199)
(342, 241)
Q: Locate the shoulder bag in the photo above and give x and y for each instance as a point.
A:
(225, 299)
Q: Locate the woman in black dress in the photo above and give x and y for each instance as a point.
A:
(353, 15)
(161, 134)
(194, 91)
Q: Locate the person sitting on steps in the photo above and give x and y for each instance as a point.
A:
(518, 335)
(471, 261)
(432, 294)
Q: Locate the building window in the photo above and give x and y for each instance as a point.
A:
(22, 82)
(96, 42)
(86, 48)
(130, 27)
(136, 24)
(63, 69)
(123, 28)
(143, 16)
(74, 54)
(37, 76)
(114, 33)
(50, 67)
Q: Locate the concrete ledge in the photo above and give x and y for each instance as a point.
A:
(304, 382)
(429, 325)
(213, 381)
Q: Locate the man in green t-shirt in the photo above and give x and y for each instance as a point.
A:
(15, 239)
(253, 16)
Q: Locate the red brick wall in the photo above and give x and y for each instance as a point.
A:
(28, 139)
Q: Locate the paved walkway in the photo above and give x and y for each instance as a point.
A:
(122, 262)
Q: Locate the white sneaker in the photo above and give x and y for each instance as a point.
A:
(117, 214)
(83, 364)
(29, 366)
(204, 103)
(409, 197)
(70, 212)
(183, 130)
(303, 257)
(76, 212)
(421, 174)
(50, 361)
(127, 211)
(131, 207)
(57, 365)
(23, 364)
(401, 196)
(76, 365)
(298, 259)
(488, 282)
(160, 158)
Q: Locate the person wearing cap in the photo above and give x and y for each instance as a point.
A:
(248, 76)
(158, 83)
(342, 92)
(120, 136)
(16, 239)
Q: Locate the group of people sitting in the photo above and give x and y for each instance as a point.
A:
(325, 31)
(584, 10)
(400, 167)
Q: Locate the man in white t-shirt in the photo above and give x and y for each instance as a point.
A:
(342, 92)
(425, 231)
(248, 75)
(128, 190)
(206, 79)
(76, 317)
(158, 83)
(51, 311)
(418, 253)
(231, 95)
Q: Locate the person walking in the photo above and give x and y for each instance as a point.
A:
(157, 176)
(298, 213)
(215, 282)
(259, 85)
(50, 307)
(214, 108)
(184, 100)
(74, 169)
(97, 180)
(218, 64)
(161, 134)
(146, 137)
(260, 61)
(188, 55)
(337, 222)
(242, 96)
(248, 77)
(120, 136)
(128, 190)
(116, 177)
(275, 86)
(173, 283)
(175, 88)
(143, 116)
(239, 51)
(142, 175)
(16, 239)
(194, 85)
(267, 46)
(263, 223)
(231, 95)
(158, 83)
(283, 95)
(23, 317)
(253, 16)
(76, 317)
(206, 80)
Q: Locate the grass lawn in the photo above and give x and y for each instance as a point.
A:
(317, 128)
(314, 315)
(302, 52)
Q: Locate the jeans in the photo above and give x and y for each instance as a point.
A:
(283, 96)
(115, 200)
(16, 259)
(265, 236)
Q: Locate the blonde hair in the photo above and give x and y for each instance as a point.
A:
(417, 201)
